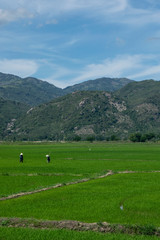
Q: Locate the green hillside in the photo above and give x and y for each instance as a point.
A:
(139, 92)
(93, 113)
(10, 111)
(33, 91)
(143, 101)
(29, 90)
(80, 113)
(100, 84)
(100, 114)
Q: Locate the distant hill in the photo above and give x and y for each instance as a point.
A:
(143, 101)
(139, 92)
(98, 113)
(29, 90)
(135, 107)
(79, 113)
(33, 91)
(10, 111)
(100, 84)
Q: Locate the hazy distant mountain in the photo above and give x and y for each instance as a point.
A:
(98, 113)
(29, 90)
(100, 84)
(33, 91)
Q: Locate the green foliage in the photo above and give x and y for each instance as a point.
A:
(39, 234)
(77, 138)
(90, 138)
(138, 137)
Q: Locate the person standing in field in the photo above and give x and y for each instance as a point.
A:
(48, 158)
(21, 157)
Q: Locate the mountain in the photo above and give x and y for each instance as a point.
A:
(139, 92)
(100, 84)
(30, 91)
(143, 104)
(33, 92)
(136, 107)
(79, 113)
(10, 112)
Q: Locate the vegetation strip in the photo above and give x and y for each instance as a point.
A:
(102, 227)
(40, 174)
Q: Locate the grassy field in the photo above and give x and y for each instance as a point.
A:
(23, 183)
(36, 234)
(95, 201)
(79, 158)
(126, 198)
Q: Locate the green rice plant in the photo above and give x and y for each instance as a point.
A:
(95, 201)
(23, 183)
(88, 159)
(40, 234)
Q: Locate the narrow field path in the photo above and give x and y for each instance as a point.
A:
(71, 183)
(54, 186)
(39, 174)
(102, 227)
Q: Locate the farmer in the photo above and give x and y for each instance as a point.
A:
(48, 158)
(21, 157)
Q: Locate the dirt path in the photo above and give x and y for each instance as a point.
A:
(71, 183)
(102, 227)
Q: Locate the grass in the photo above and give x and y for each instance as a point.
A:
(79, 158)
(21, 183)
(95, 201)
(37, 234)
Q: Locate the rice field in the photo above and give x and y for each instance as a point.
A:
(131, 195)
(37, 234)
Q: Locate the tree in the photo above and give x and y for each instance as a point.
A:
(135, 137)
(90, 138)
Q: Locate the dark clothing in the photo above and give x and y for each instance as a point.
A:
(21, 158)
(48, 159)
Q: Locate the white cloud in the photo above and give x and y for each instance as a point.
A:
(7, 16)
(63, 6)
(19, 67)
(118, 67)
(58, 8)
(149, 72)
(131, 66)
(120, 11)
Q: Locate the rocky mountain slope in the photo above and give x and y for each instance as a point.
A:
(97, 113)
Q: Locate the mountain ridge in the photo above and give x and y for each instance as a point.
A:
(33, 91)
(133, 108)
(97, 113)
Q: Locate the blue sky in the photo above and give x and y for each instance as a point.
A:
(66, 42)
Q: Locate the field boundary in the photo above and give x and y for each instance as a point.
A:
(17, 195)
(102, 227)
(53, 187)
